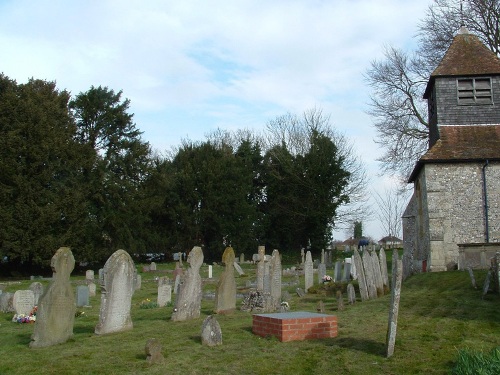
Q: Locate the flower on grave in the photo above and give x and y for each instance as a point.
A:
(79, 313)
(327, 279)
(22, 318)
(147, 304)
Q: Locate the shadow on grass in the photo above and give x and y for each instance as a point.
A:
(24, 339)
(196, 339)
(362, 345)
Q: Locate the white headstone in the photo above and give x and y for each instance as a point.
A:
(24, 301)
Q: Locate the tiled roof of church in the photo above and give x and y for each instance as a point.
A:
(462, 143)
(466, 56)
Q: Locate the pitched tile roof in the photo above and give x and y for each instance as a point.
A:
(462, 143)
(466, 56)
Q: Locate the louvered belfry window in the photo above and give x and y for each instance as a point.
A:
(474, 91)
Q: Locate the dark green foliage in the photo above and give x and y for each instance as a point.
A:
(358, 229)
(40, 203)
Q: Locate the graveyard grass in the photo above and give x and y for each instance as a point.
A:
(440, 316)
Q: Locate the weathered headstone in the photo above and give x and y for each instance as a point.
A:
(308, 271)
(346, 276)
(242, 258)
(267, 277)
(340, 301)
(320, 307)
(152, 266)
(472, 278)
(177, 275)
(211, 334)
(321, 272)
(370, 278)
(383, 268)
(188, 301)
(302, 254)
(276, 278)
(6, 302)
(92, 289)
(24, 301)
(56, 307)
(164, 292)
(89, 275)
(137, 281)
(486, 285)
(153, 351)
(351, 294)
(260, 268)
(363, 289)
(116, 294)
(238, 269)
(377, 274)
(82, 296)
(37, 288)
(397, 277)
(210, 271)
(337, 276)
(225, 297)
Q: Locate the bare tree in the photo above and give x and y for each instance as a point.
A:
(390, 206)
(398, 81)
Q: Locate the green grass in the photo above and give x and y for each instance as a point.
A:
(440, 316)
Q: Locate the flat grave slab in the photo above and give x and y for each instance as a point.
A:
(295, 326)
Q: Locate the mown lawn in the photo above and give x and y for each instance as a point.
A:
(440, 313)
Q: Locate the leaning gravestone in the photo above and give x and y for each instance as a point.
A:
(308, 271)
(24, 301)
(363, 289)
(37, 288)
(377, 274)
(211, 334)
(82, 296)
(188, 301)
(225, 296)
(117, 289)
(397, 277)
(56, 308)
(383, 268)
(238, 269)
(369, 276)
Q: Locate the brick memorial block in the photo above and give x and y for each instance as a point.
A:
(295, 326)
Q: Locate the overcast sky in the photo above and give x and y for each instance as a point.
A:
(190, 67)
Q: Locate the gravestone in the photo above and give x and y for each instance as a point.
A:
(340, 301)
(92, 289)
(370, 278)
(6, 302)
(137, 281)
(238, 269)
(363, 289)
(354, 274)
(177, 275)
(260, 268)
(225, 297)
(153, 351)
(379, 283)
(24, 301)
(338, 272)
(117, 289)
(397, 277)
(302, 256)
(472, 278)
(300, 292)
(383, 268)
(351, 294)
(37, 288)
(276, 278)
(152, 266)
(164, 292)
(101, 274)
(82, 296)
(346, 276)
(188, 301)
(321, 272)
(211, 334)
(210, 272)
(267, 277)
(242, 258)
(320, 307)
(308, 271)
(89, 275)
(56, 307)
(486, 285)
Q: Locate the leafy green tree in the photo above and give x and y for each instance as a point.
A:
(118, 164)
(40, 198)
(306, 182)
(358, 229)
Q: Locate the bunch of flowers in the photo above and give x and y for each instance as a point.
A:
(327, 279)
(22, 318)
(148, 304)
(79, 313)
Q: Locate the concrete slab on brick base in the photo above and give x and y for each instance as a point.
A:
(295, 326)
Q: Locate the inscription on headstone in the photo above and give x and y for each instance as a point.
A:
(24, 301)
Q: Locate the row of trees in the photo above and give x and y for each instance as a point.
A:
(399, 80)
(76, 172)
